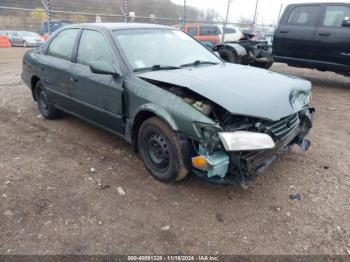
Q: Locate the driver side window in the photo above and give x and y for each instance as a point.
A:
(335, 15)
(93, 48)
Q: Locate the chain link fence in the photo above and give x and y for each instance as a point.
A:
(30, 15)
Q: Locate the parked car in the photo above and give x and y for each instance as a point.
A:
(213, 34)
(314, 35)
(232, 33)
(170, 97)
(236, 48)
(25, 39)
(209, 35)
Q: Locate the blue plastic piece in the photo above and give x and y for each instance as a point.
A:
(218, 163)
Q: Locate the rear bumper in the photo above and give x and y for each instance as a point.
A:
(26, 79)
(244, 166)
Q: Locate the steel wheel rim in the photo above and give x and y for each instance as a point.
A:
(158, 151)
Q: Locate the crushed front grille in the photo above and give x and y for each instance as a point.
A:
(279, 129)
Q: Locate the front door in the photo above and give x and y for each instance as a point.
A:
(332, 38)
(98, 98)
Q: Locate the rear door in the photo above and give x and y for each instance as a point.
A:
(295, 36)
(97, 98)
(55, 66)
(333, 39)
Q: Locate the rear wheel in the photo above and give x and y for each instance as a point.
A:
(229, 56)
(46, 108)
(161, 151)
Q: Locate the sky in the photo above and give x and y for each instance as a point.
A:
(268, 10)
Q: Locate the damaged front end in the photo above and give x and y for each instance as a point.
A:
(233, 148)
(247, 146)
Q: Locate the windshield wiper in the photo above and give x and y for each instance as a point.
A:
(157, 68)
(199, 62)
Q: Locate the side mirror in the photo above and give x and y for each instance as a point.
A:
(346, 22)
(104, 68)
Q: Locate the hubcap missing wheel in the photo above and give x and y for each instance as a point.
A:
(158, 151)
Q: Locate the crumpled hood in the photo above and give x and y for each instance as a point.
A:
(242, 90)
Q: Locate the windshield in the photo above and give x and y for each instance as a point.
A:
(146, 48)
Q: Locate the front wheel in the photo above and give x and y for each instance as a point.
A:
(46, 108)
(161, 151)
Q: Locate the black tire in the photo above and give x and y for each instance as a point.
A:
(229, 56)
(265, 65)
(161, 151)
(46, 108)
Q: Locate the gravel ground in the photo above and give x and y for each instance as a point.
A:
(50, 204)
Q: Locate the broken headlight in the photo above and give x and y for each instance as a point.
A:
(245, 141)
(208, 134)
(299, 99)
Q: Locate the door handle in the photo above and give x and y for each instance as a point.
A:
(324, 34)
(284, 31)
(74, 80)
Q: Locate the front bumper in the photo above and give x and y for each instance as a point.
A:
(244, 166)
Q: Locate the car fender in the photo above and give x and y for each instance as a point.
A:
(238, 49)
(158, 111)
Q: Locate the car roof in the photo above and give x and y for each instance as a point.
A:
(121, 26)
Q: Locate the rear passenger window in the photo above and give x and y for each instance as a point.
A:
(209, 31)
(192, 31)
(93, 48)
(62, 45)
(335, 15)
(304, 15)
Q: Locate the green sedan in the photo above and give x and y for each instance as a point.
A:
(175, 101)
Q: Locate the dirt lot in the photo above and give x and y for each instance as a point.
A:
(50, 204)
